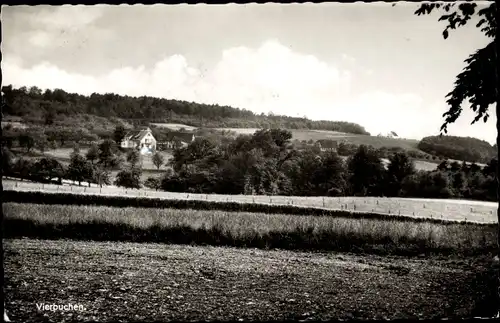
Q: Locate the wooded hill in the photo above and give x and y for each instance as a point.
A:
(35, 106)
(459, 148)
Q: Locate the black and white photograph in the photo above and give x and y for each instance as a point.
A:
(250, 162)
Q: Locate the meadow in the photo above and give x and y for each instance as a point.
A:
(452, 210)
(308, 134)
(248, 230)
(63, 155)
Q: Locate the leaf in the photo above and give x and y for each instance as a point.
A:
(445, 34)
(481, 22)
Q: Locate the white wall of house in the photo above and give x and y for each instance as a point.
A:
(148, 141)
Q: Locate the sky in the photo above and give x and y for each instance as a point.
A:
(373, 64)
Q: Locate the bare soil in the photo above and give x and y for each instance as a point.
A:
(147, 282)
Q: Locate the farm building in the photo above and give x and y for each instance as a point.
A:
(177, 138)
(327, 145)
(142, 139)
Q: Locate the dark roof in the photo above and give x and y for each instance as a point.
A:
(137, 134)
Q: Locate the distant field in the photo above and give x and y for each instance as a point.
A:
(455, 210)
(306, 134)
(174, 126)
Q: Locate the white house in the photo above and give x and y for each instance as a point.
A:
(142, 139)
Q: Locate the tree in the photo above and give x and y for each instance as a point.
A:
(153, 183)
(119, 134)
(26, 141)
(366, 172)
(23, 168)
(41, 143)
(478, 83)
(400, 166)
(129, 178)
(107, 154)
(46, 169)
(332, 173)
(133, 157)
(158, 160)
(101, 176)
(80, 169)
(92, 154)
(49, 117)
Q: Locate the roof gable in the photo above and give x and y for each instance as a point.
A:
(138, 134)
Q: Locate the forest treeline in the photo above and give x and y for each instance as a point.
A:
(54, 106)
(459, 148)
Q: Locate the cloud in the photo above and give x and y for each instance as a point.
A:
(271, 77)
(67, 17)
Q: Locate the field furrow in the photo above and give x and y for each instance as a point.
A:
(145, 282)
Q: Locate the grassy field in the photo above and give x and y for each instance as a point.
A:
(306, 134)
(174, 126)
(241, 229)
(456, 210)
(156, 282)
(63, 154)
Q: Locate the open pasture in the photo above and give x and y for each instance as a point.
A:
(456, 210)
(174, 126)
(63, 155)
(307, 134)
